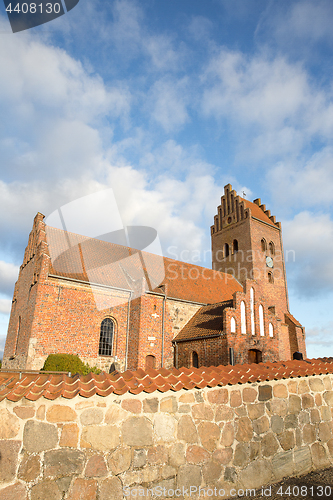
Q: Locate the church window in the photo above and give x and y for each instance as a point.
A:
(261, 321)
(243, 317)
(233, 325)
(150, 363)
(252, 311)
(263, 245)
(270, 330)
(272, 248)
(270, 277)
(235, 246)
(226, 250)
(106, 337)
(195, 359)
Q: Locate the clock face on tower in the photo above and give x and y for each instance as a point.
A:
(269, 262)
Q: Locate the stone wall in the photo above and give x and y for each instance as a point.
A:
(237, 436)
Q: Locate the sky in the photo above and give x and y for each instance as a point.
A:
(165, 102)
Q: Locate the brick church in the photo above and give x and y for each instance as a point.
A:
(236, 312)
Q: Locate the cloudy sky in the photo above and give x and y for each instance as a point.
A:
(165, 102)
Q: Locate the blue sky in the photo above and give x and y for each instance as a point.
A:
(165, 102)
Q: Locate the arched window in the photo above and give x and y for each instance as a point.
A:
(243, 317)
(270, 330)
(263, 245)
(270, 277)
(233, 325)
(106, 337)
(150, 362)
(261, 321)
(272, 248)
(226, 250)
(235, 246)
(195, 359)
(252, 311)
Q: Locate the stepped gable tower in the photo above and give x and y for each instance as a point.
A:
(247, 243)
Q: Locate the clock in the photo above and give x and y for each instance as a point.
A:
(269, 262)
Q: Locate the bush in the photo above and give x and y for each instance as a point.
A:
(68, 363)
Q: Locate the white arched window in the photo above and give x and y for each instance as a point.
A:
(243, 317)
(252, 311)
(233, 325)
(270, 330)
(261, 320)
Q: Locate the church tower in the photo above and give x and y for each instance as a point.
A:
(247, 243)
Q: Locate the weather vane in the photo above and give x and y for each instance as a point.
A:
(244, 194)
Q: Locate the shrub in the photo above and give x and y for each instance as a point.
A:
(68, 363)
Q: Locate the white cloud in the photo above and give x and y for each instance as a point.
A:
(169, 99)
(8, 276)
(5, 306)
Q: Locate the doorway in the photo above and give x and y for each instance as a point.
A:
(255, 356)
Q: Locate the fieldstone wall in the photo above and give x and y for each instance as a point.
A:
(101, 448)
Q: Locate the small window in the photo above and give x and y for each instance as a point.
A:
(106, 337)
(272, 248)
(270, 330)
(226, 250)
(235, 246)
(270, 277)
(243, 317)
(195, 359)
(263, 245)
(150, 363)
(233, 325)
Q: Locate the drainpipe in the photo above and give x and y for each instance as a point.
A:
(127, 327)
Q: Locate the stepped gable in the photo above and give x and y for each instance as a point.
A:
(96, 261)
(207, 322)
(15, 386)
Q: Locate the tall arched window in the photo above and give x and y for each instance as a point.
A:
(235, 246)
(233, 325)
(270, 330)
(195, 359)
(272, 248)
(226, 250)
(106, 337)
(243, 317)
(263, 245)
(252, 311)
(261, 321)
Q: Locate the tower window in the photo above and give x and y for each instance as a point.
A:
(195, 359)
(263, 245)
(106, 337)
(233, 325)
(261, 321)
(243, 317)
(235, 246)
(270, 277)
(226, 250)
(270, 330)
(272, 248)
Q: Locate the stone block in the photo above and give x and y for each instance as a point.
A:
(24, 412)
(177, 455)
(69, 435)
(244, 429)
(168, 472)
(242, 455)
(241, 411)
(319, 456)
(223, 455)
(101, 437)
(328, 396)
(187, 430)
(39, 436)
(269, 445)
(265, 392)
(280, 391)
(303, 418)
(150, 474)
(255, 449)
(235, 399)
(14, 492)
(309, 434)
(209, 434)
(111, 489)
(165, 427)
(277, 424)
(277, 407)
(157, 455)
(196, 454)
(137, 431)
(295, 404)
(60, 413)
(230, 476)
(150, 405)
(211, 472)
(40, 413)
(256, 474)
(249, 394)
(256, 410)
(120, 460)
(287, 440)
(318, 399)
(131, 404)
(30, 468)
(199, 396)
(96, 467)
(228, 434)
(303, 387)
(201, 411)
(330, 447)
(325, 413)
(302, 460)
(283, 465)
(9, 451)
(316, 384)
(83, 489)
(139, 458)
(315, 416)
(327, 383)
(291, 421)
(91, 416)
(46, 490)
(169, 405)
(63, 484)
(223, 413)
(307, 401)
(63, 462)
(325, 432)
(115, 414)
(184, 409)
(187, 397)
(10, 424)
(189, 475)
(217, 396)
(292, 386)
(261, 425)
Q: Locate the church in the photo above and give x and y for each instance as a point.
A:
(104, 301)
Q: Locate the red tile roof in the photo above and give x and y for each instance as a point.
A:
(15, 386)
(292, 319)
(257, 212)
(96, 261)
(207, 322)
